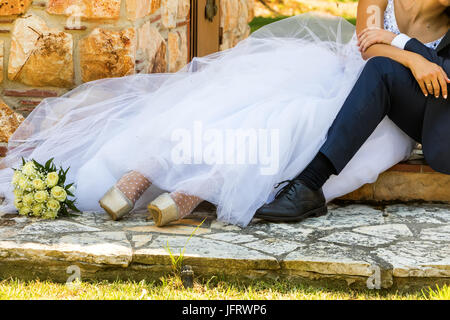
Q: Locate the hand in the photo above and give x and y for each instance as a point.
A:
(431, 77)
(370, 36)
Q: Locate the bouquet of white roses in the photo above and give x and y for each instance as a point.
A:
(39, 190)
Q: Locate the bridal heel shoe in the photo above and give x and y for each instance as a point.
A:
(164, 210)
(116, 204)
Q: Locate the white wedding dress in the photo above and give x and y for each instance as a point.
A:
(287, 82)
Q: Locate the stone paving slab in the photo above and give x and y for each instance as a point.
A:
(396, 246)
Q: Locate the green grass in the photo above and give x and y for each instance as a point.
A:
(171, 288)
(259, 22)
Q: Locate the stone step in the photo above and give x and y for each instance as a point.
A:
(413, 180)
(392, 247)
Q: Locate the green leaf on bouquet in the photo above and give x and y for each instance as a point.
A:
(39, 166)
(63, 211)
(71, 205)
(23, 161)
(69, 186)
(48, 164)
(62, 176)
(68, 191)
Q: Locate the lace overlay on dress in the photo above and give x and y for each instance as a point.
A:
(390, 24)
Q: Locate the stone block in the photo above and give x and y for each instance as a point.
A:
(251, 10)
(89, 9)
(156, 4)
(206, 252)
(243, 16)
(177, 43)
(169, 13)
(111, 248)
(405, 182)
(229, 14)
(137, 9)
(107, 54)
(40, 56)
(151, 52)
(409, 186)
(326, 258)
(405, 186)
(365, 193)
(274, 246)
(229, 40)
(418, 259)
(232, 237)
(432, 213)
(9, 122)
(183, 9)
(14, 7)
(2, 55)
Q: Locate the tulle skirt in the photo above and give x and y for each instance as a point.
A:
(226, 128)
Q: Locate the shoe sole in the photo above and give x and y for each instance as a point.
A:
(163, 210)
(313, 213)
(115, 203)
(109, 211)
(156, 214)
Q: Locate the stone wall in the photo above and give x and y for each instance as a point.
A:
(48, 47)
(234, 19)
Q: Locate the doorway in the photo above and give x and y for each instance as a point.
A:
(205, 27)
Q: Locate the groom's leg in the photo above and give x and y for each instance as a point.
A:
(385, 88)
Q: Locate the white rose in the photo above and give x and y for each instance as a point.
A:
(24, 210)
(50, 214)
(18, 193)
(52, 179)
(59, 193)
(38, 184)
(16, 178)
(38, 209)
(53, 205)
(23, 183)
(29, 169)
(18, 203)
(41, 196)
(28, 199)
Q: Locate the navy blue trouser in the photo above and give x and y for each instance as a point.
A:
(384, 88)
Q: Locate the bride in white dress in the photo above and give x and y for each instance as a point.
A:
(286, 82)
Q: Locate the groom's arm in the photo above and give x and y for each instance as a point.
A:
(413, 45)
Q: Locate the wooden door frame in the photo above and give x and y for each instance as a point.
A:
(193, 32)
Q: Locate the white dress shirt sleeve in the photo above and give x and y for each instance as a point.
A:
(400, 41)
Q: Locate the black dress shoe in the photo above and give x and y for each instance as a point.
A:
(294, 202)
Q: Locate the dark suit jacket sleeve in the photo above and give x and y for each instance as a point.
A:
(418, 47)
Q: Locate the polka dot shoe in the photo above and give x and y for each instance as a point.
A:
(121, 198)
(172, 207)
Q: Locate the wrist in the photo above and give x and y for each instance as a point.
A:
(411, 59)
(400, 41)
(391, 38)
